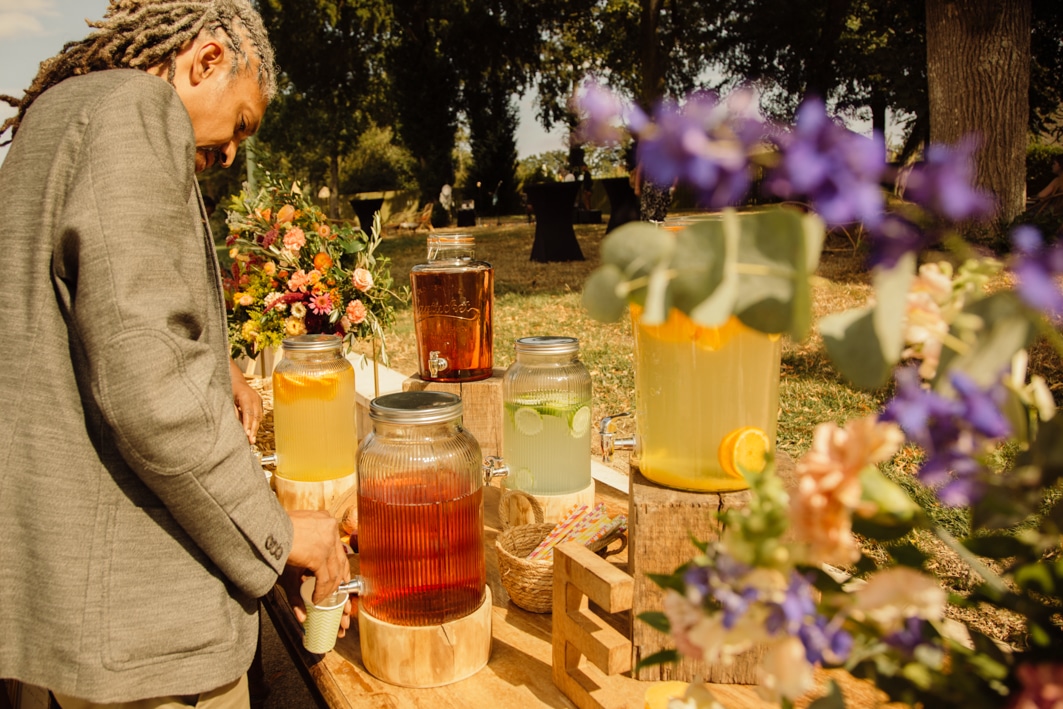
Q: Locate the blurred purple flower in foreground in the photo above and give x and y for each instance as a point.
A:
(943, 183)
(893, 237)
(603, 114)
(950, 431)
(1037, 268)
(837, 170)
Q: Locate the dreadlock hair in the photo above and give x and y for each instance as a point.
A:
(140, 34)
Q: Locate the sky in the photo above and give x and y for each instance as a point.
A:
(34, 30)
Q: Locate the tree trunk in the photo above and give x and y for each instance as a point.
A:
(650, 48)
(334, 185)
(978, 72)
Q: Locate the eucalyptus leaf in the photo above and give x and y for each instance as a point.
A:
(658, 658)
(855, 349)
(1006, 330)
(658, 301)
(601, 295)
(636, 247)
(833, 699)
(706, 281)
(656, 620)
(891, 304)
(770, 258)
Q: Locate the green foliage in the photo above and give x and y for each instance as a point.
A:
(377, 163)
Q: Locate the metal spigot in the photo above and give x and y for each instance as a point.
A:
(270, 459)
(610, 443)
(494, 467)
(355, 586)
(436, 364)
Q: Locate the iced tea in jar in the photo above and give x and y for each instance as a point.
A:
(316, 438)
(420, 511)
(707, 401)
(453, 296)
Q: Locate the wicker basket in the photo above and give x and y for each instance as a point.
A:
(530, 582)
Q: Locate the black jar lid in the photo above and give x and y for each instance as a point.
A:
(547, 345)
(414, 407)
(312, 343)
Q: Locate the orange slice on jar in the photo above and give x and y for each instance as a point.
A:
(746, 449)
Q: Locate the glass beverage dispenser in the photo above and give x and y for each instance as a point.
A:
(453, 295)
(314, 410)
(420, 510)
(546, 427)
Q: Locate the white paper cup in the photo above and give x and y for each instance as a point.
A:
(322, 620)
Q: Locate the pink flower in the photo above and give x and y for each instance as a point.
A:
(321, 304)
(245, 299)
(895, 594)
(1042, 687)
(362, 279)
(828, 485)
(299, 281)
(295, 239)
(356, 312)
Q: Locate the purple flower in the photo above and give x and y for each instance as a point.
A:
(697, 144)
(908, 638)
(943, 183)
(893, 237)
(951, 432)
(837, 170)
(603, 111)
(1036, 268)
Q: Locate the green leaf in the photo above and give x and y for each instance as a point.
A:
(636, 247)
(656, 620)
(1000, 546)
(891, 304)
(1006, 330)
(1036, 577)
(601, 294)
(706, 281)
(832, 699)
(661, 657)
(855, 349)
(892, 503)
(908, 555)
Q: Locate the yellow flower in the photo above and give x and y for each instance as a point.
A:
(249, 331)
(269, 268)
(294, 326)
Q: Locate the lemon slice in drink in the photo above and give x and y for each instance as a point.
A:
(528, 421)
(580, 422)
(744, 448)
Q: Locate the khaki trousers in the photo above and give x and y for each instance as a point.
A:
(234, 695)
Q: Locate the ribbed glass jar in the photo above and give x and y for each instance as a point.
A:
(453, 298)
(316, 437)
(420, 511)
(546, 429)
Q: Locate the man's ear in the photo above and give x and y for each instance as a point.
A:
(207, 60)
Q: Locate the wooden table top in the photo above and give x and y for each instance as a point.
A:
(518, 673)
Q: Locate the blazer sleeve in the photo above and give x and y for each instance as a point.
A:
(145, 311)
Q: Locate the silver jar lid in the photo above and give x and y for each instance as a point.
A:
(312, 343)
(416, 407)
(451, 240)
(547, 345)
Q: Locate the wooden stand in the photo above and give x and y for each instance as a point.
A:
(482, 402)
(428, 656)
(555, 507)
(334, 496)
(661, 521)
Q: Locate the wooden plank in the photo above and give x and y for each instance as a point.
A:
(482, 404)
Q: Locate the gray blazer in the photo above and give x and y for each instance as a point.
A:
(136, 529)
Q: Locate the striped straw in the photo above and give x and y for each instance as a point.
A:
(558, 532)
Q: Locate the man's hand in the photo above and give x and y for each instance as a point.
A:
(316, 551)
(247, 401)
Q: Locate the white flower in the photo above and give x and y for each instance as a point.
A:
(785, 671)
(893, 595)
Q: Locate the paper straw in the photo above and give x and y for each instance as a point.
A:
(558, 532)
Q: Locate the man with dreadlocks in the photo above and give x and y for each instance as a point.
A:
(136, 529)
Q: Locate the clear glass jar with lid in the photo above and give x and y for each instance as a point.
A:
(453, 298)
(315, 433)
(546, 429)
(420, 511)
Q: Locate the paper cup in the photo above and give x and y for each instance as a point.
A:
(322, 620)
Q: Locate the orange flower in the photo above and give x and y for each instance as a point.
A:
(285, 214)
(322, 261)
(265, 213)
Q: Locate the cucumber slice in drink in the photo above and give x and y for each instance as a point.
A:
(580, 422)
(528, 421)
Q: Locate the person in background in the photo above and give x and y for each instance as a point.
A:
(1055, 187)
(137, 531)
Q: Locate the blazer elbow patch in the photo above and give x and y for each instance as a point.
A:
(155, 399)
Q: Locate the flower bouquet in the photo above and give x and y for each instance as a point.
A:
(296, 272)
(835, 571)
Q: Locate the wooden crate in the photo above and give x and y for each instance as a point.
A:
(661, 521)
(482, 402)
